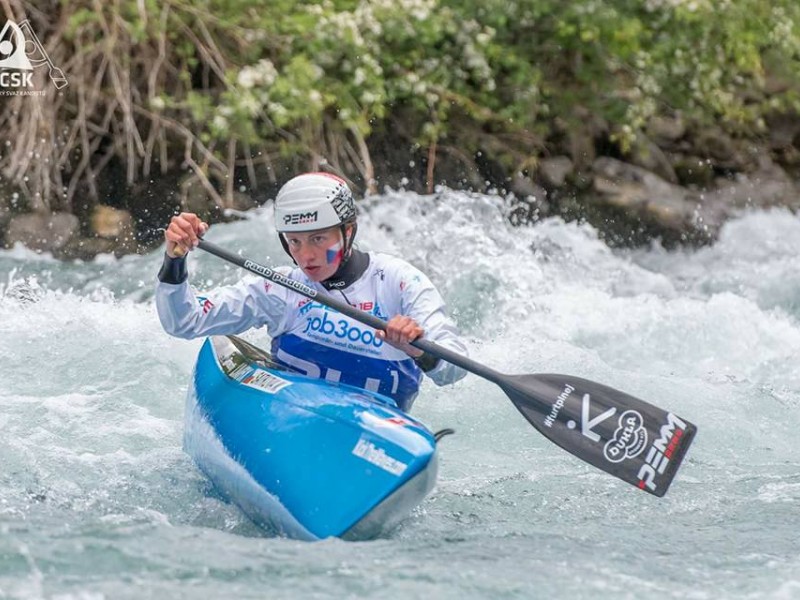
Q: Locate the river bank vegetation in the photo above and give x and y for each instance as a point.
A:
(210, 105)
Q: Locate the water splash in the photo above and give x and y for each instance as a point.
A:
(98, 500)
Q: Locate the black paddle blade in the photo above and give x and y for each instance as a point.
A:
(615, 432)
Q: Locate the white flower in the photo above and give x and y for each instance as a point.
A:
(278, 110)
(267, 71)
(219, 123)
(370, 97)
(359, 76)
(263, 73)
(249, 103)
(247, 77)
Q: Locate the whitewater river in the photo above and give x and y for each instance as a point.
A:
(98, 500)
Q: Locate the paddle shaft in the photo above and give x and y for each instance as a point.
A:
(352, 312)
(617, 433)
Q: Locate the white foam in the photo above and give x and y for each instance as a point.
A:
(92, 390)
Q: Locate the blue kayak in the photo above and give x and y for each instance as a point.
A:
(304, 458)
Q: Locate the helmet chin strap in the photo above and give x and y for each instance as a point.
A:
(348, 243)
(286, 246)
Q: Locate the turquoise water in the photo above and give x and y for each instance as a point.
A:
(98, 501)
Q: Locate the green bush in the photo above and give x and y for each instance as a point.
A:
(229, 80)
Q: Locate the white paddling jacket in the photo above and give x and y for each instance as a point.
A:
(320, 341)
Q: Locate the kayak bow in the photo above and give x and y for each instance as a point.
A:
(302, 457)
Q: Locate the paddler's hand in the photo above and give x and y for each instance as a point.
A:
(183, 234)
(400, 330)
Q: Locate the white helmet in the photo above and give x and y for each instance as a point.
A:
(313, 201)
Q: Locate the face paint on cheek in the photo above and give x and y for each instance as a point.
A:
(334, 253)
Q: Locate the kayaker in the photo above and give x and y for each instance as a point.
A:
(315, 218)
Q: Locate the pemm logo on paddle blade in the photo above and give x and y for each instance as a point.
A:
(661, 452)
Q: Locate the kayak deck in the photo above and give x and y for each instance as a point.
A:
(302, 457)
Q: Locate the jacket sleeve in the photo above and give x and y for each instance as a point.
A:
(223, 311)
(421, 301)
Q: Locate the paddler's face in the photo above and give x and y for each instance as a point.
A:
(317, 253)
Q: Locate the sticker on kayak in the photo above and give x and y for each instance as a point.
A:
(396, 421)
(372, 454)
(265, 381)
